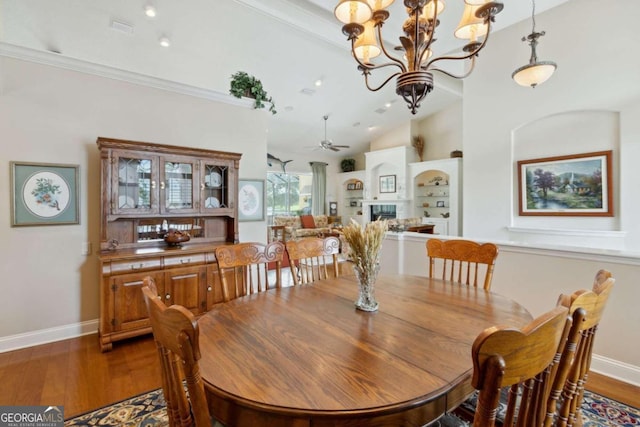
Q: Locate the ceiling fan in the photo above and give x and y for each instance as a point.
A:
(326, 144)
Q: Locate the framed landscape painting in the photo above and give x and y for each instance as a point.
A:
(44, 194)
(574, 185)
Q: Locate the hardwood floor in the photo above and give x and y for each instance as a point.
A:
(74, 373)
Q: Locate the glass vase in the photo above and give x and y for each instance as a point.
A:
(366, 293)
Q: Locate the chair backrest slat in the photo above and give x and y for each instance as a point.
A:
(593, 302)
(246, 267)
(461, 260)
(529, 362)
(309, 258)
(176, 335)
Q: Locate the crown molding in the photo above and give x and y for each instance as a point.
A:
(73, 64)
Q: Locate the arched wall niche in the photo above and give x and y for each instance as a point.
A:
(568, 133)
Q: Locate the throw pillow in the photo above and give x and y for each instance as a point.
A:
(307, 221)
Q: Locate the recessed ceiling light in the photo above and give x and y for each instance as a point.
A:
(388, 104)
(150, 11)
(164, 42)
(318, 82)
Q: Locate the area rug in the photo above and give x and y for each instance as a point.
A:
(148, 409)
(597, 411)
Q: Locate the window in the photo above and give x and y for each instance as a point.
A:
(288, 194)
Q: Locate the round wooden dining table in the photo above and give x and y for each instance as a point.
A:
(305, 356)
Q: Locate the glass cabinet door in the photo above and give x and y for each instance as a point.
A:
(215, 187)
(135, 186)
(177, 187)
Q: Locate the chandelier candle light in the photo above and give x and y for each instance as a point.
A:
(364, 251)
(363, 21)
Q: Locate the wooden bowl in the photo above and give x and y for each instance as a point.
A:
(176, 237)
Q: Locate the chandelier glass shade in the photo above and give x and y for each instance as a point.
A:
(363, 21)
(535, 72)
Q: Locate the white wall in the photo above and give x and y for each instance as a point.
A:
(595, 83)
(394, 138)
(442, 132)
(54, 115)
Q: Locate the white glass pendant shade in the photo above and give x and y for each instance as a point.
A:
(353, 11)
(476, 2)
(366, 46)
(471, 27)
(534, 74)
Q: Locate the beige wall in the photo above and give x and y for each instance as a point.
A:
(50, 114)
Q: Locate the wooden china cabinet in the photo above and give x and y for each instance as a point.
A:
(148, 189)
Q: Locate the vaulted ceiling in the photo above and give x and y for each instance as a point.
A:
(287, 44)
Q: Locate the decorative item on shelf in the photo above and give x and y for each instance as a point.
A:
(242, 84)
(456, 154)
(535, 72)
(445, 214)
(425, 205)
(418, 143)
(421, 184)
(363, 27)
(348, 165)
(426, 214)
(365, 243)
(436, 180)
(175, 238)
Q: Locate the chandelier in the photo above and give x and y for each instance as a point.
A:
(364, 19)
(535, 72)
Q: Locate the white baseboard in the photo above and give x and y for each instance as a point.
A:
(616, 369)
(44, 336)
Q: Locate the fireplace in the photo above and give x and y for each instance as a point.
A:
(382, 212)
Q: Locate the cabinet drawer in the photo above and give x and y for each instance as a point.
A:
(129, 266)
(192, 259)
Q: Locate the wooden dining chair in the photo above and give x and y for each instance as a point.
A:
(462, 261)
(176, 335)
(244, 268)
(532, 362)
(309, 258)
(593, 302)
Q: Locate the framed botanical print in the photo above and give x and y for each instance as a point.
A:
(388, 184)
(251, 200)
(44, 194)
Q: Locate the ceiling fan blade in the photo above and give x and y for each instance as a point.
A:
(341, 146)
(332, 148)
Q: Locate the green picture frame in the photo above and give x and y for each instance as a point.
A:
(251, 200)
(44, 194)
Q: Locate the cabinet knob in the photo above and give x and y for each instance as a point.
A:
(167, 297)
(185, 261)
(202, 185)
(209, 288)
(153, 184)
(136, 267)
(162, 185)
